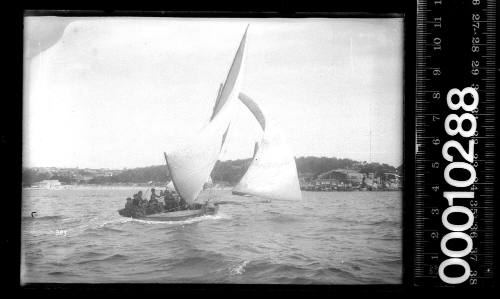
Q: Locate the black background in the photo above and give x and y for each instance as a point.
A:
(11, 135)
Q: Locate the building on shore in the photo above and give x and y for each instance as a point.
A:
(350, 180)
(392, 181)
(333, 180)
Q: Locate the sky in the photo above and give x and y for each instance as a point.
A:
(118, 92)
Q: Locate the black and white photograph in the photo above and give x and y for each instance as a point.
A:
(212, 150)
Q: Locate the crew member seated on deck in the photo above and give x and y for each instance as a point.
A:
(183, 205)
(170, 202)
(143, 203)
(153, 202)
(136, 200)
(153, 196)
(195, 206)
(128, 205)
(168, 195)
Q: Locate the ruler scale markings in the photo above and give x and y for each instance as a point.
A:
(474, 18)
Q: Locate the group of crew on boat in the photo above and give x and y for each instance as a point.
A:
(164, 201)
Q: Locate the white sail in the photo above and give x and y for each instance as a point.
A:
(273, 172)
(217, 100)
(190, 167)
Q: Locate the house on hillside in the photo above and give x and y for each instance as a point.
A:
(335, 179)
(344, 176)
(392, 181)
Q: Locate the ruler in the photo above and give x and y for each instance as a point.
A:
(455, 150)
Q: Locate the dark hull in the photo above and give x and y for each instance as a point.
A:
(175, 215)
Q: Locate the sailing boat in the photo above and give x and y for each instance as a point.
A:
(190, 167)
(272, 173)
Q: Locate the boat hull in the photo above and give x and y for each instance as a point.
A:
(175, 215)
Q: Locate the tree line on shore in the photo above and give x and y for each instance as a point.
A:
(229, 171)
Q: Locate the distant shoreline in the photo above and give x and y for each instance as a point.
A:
(146, 186)
(109, 186)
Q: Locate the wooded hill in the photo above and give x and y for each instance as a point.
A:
(229, 171)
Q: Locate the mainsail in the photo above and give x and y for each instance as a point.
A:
(217, 100)
(273, 172)
(190, 167)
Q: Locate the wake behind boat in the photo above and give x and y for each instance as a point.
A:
(182, 215)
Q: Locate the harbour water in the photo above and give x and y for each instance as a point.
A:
(77, 236)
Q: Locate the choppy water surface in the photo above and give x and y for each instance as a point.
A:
(327, 238)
